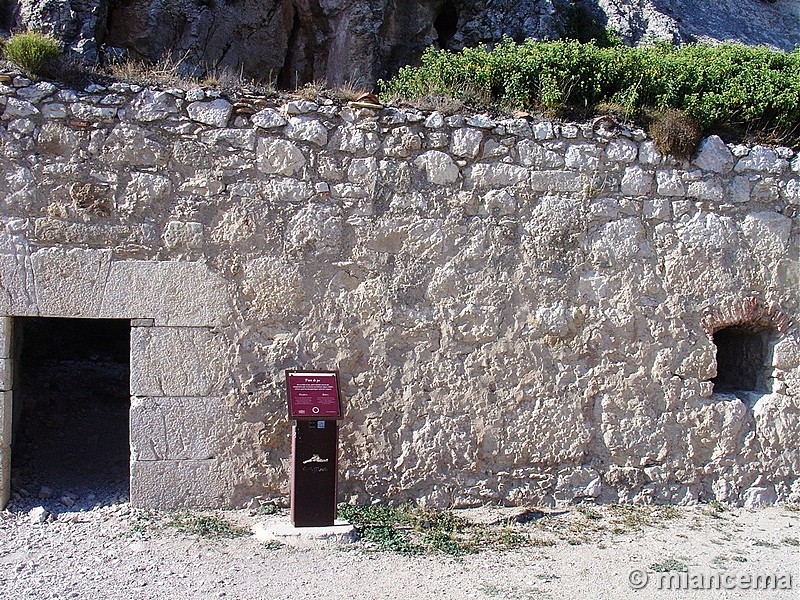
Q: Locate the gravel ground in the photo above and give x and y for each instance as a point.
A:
(114, 551)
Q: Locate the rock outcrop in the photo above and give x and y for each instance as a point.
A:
(755, 22)
(298, 41)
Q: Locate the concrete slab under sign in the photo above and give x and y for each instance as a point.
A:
(283, 531)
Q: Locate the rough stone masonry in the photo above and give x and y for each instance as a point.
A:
(522, 311)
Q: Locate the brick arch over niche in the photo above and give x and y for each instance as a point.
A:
(748, 312)
(179, 371)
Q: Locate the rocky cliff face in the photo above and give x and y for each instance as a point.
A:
(359, 41)
(293, 41)
(771, 22)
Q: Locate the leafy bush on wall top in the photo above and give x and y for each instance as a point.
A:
(725, 87)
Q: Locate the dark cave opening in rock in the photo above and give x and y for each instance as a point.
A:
(6, 22)
(446, 25)
(742, 353)
(290, 78)
(71, 405)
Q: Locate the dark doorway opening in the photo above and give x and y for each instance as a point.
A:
(71, 405)
(742, 354)
(446, 25)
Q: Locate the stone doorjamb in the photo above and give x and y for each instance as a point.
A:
(168, 303)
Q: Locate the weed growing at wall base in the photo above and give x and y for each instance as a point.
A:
(409, 529)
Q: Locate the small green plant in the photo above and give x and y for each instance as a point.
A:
(589, 513)
(667, 512)
(791, 541)
(717, 506)
(739, 559)
(387, 538)
(141, 522)
(511, 592)
(378, 525)
(629, 518)
(272, 545)
(374, 514)
(540, 542)
(503, 538)
(267, 509)
(440, 540)
(722, 560)
(31, 51)
(508, 539)
(669, 565)
(445, 520)
(715, 509)
(211, 527)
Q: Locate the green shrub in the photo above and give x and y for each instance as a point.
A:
(31, 51)
(725, 87)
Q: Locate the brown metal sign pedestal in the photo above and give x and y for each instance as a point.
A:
(314, 405)
(314, 470)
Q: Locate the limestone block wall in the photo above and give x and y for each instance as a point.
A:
(522, 311)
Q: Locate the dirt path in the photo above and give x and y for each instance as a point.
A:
(116, 552)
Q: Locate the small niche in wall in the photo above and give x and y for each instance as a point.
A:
(742, 359)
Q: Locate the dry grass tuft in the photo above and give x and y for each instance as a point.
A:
(675, 133)
(312, 90)
(166, 72)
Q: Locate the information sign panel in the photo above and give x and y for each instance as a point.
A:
(313, 395)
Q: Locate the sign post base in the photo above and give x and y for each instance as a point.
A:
(314, 473)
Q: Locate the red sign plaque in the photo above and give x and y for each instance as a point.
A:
(313, 395)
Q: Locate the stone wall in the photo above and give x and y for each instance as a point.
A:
(522, 311)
